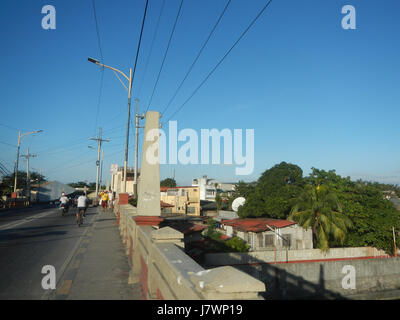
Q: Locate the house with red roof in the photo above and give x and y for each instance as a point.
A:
(269, 234)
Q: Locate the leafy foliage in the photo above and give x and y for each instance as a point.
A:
(236, 244)
(132, 201)
(212, 232)
(281, 187)
(273, 194)
(79, 184)
(318, 208)
(7, 183)
(169, 182)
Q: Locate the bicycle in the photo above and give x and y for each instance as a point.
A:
(79, 216)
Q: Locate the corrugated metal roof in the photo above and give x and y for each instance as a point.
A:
(257, 224)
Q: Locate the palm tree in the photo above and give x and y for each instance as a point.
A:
(318, 208)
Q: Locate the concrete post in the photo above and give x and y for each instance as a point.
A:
(227, 283)
(149, 184)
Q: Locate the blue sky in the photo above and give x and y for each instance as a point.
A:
(315, 94)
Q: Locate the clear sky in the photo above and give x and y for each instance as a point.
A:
(315, 94)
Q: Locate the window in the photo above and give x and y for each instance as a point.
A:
(191, 209)
(260, 239)
(287, 240)
(269, 240)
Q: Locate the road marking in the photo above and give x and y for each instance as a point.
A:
(67, 263)
(65, 288)
(25, 220)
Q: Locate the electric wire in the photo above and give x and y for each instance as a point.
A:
(197, 56)
(102, 61)
(151, 49)
(165, 55)
(139, 43)
(220, 61)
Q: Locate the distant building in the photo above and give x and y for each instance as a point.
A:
(208, 188)
(117, 179)
(184, 200)
(227, 188)
(268, 234)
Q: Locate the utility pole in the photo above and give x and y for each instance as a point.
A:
(16, 163)
(127, 129)
(18, 147)
(28, 176)
(99, 141)
(38, 192)
(137, 118)
(101, 169)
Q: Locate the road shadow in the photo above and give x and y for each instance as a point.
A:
(12, 235)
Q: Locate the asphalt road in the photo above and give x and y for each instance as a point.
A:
(32, 238)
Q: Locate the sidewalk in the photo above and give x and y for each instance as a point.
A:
(99, 269)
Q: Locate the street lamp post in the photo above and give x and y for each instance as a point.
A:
(129, 109)
(18, 147)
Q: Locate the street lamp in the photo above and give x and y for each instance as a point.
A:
(19, 144)
(129, 109)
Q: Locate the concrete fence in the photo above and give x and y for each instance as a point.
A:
(312, 274)
(293, 256)
(159, 263)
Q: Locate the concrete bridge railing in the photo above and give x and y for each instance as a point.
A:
(158, 262)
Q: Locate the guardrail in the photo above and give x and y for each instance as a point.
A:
(159, 263)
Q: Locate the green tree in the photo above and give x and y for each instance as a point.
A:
(319, 209)
(373, 216)
(168, 182)
(273, 194)
(7, 183)
(211, 231)
(236, 244)
(79, 184)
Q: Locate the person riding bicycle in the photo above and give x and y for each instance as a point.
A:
(64, 201)
(82, 203)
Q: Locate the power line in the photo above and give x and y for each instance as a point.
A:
(151, 48)
(4, 171)
(197, 57)
(6, 126)
(8, 144)
(165, 54)
(102, 61)
(140, 41)
(221, 60)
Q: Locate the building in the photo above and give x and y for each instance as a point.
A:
(185, 200)
(208, 188)
(226, 188)
(269, 234)
(117, 179)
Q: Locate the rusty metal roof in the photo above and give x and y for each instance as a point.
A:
(257, 224)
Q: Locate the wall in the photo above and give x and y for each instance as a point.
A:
(182, 198)
(299, 238)
(291, 256)
(377, 275)
(117, 183)
(159, 263)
